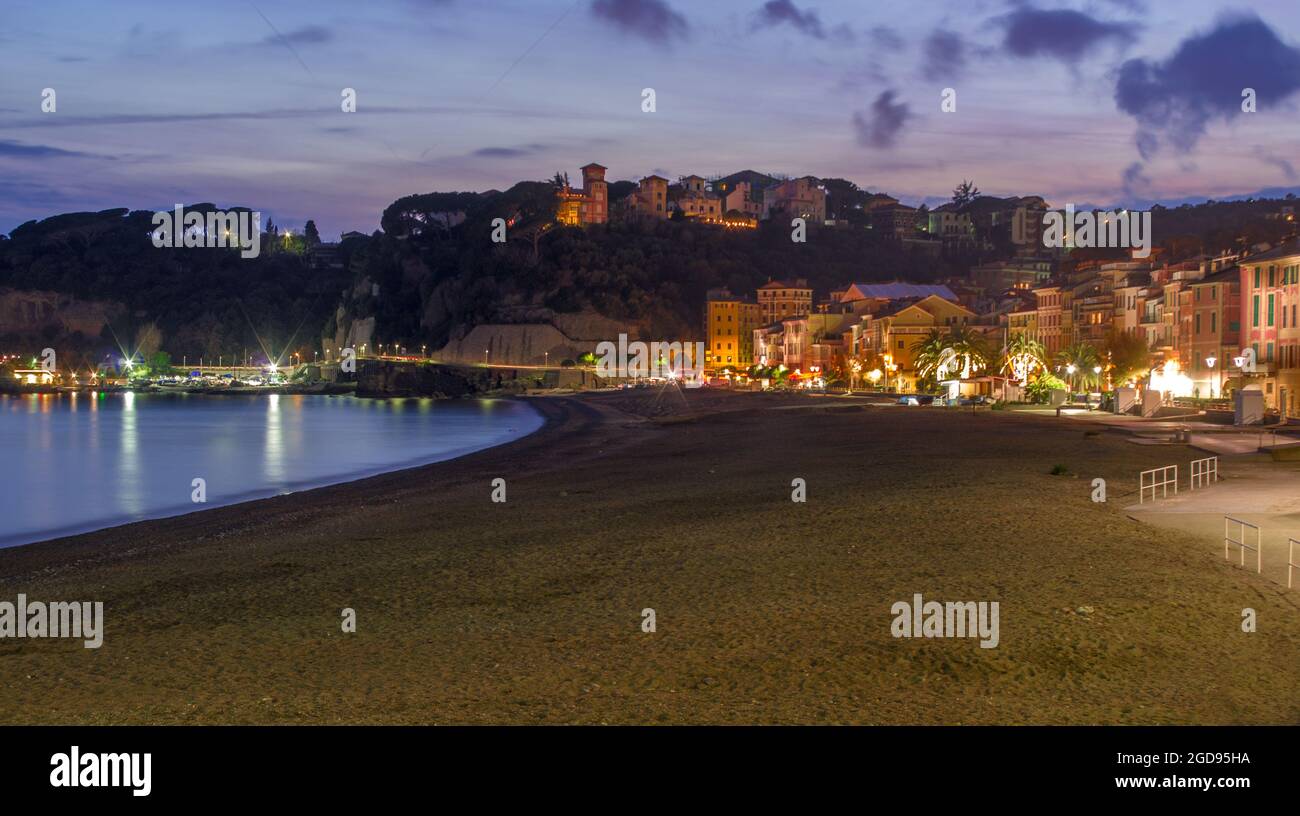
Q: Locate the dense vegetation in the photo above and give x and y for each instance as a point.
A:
(195, 302)
(435, 271)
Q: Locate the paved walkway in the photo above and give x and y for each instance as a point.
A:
(1254, 489)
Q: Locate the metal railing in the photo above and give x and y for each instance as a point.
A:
(1290, 560)
(1242, 526)
(1205, 471)
(1159, 479)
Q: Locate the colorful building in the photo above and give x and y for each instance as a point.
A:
(589, 205)
(729, 323)
(1270, 294)
(778, 300)
(651, 198)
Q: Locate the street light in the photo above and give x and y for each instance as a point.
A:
(1209, 362)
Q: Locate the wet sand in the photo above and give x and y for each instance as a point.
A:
(767, 611)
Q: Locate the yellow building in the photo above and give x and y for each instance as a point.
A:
(590, 205)
(778, 300)
(730, 322)
(651, 197)
(889, 341)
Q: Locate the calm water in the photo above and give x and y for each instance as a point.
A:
(73, 463)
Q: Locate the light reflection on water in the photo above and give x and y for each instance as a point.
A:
(78, 462)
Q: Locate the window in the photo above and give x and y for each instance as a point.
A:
(1255, 321)
(1214, 323)
(1272, 272)
(1198, 323)
(1270, 353)
(1270, 310)
(1257, 273)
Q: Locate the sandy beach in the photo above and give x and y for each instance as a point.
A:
(767, 610)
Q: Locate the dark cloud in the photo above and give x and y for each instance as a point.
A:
(886, 39)
(19, 150)
(1175, 100)
(880, 128)
(775, 12)
(1135, 179)
(1063, 34)
(944, 54)
(508, 152)
(308, 35)
(1283, 166)
(654, 20)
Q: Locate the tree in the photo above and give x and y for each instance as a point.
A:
(965, 193)
(310, 235)
(961, 351)
(1024, 355)
(1128, 355)
(1080, 362)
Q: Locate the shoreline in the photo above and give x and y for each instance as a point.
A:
(74, 539)
(769, 611)
(251, 497)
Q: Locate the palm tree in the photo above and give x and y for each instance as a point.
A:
(959, 351)
(1024, 354)
(1079, 361)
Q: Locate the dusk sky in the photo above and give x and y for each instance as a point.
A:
(1108, 102)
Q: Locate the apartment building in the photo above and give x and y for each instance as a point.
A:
(778, 300)
(729, 321)
(1270, 298)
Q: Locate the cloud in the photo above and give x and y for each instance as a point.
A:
(775, 12)
(944, 54)
(1175, 100)
(654, 20)
(508, 152)
(1135, 179)
(886, 39)
(10, 149)
(1283, 165)
(308, 35)
(881, 127)
(1063, 34)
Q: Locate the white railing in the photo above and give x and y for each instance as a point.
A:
(1159, 479)
(1205, 471)
(1290, 560)
(1240, 542)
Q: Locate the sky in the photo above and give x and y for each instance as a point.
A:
(1101, 102)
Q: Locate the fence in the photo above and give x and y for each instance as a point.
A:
(1205, 471)
(1290, 559)
(1241, 541)
(1161, 479)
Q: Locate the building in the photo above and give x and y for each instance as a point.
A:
(1270, 292)
(778, 300)
(589, 205)
(952, 225)
(741, 197)
(888, 341)
(697, 200)
(729, 323)
(894, 220)
(802, 197)
(651, 198)
(1055, 318)
(1213, 331)
(1018, 273)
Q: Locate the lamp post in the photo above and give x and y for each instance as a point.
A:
(1209, 362)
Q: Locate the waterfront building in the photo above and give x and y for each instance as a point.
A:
(729, 321)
